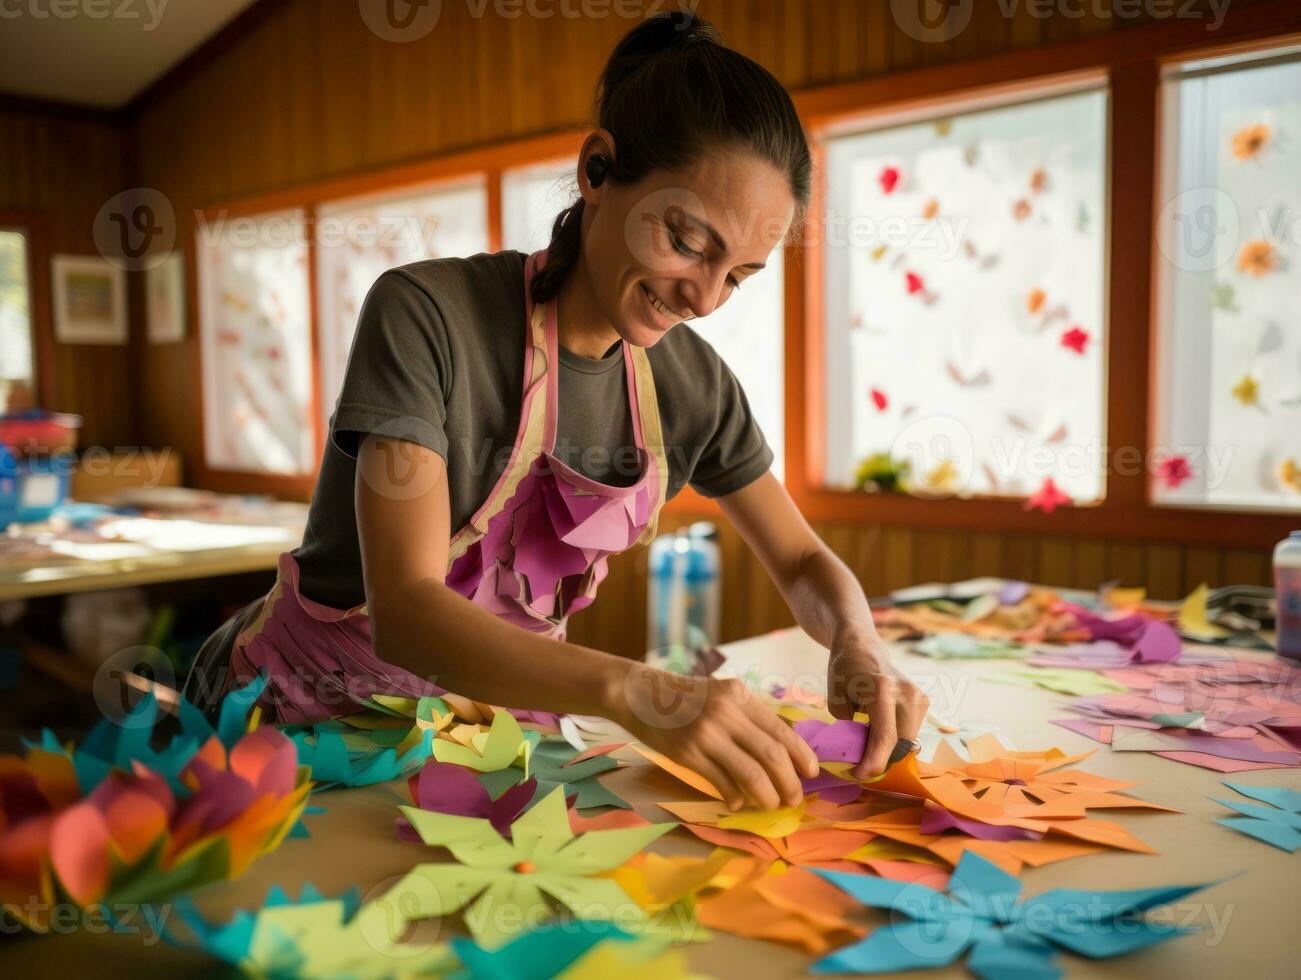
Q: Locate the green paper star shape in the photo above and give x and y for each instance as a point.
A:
(503, 884)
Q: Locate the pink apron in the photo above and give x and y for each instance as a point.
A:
(532, 554)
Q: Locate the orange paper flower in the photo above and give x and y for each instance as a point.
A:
(1257, 258)
(1249, 141)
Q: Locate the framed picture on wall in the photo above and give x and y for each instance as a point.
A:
(165, 300)
(89, 300)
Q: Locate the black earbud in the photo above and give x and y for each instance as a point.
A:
(597, 169)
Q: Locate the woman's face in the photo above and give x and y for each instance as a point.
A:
(676, 245)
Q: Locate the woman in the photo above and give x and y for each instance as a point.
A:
(508, 422)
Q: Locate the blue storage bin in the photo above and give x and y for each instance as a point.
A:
(31, 489)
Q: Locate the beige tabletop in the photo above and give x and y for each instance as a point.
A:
(1249, 912)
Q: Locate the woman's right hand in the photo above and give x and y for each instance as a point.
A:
(718, 728)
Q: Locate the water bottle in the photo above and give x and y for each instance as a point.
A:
(683, 598)
(1287, 596)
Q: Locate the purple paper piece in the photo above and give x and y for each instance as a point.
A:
(838, 741)
(1082, 726)
(936, 820)
(1243, 749)
(1013, 592)
(443, 787)
(1159, 644)
(831, 788)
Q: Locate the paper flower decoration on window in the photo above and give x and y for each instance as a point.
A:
(1047, 498)
(1250, 141)
(502, 883)
(1289, 474)
(1247, 391)
(889, 178)
(1257, 258)
(880, 400)
(983, 915)
(1174, 471)
(1075, 339)
(930, 209)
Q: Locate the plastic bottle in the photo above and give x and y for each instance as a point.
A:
(1287, 596)
(683, 597)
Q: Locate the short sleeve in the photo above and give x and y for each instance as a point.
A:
(398, 370)
(734, 452)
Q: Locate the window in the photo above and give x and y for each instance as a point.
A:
(747, 332)
(965, 286)
(15, 323)
(256, 343)
(357, 241)
(531, 197)
(1229, 353)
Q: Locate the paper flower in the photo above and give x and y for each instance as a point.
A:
(1034, 300)
(141, 835)
(1247, 391)
(930, 209)
(984, 915)
(1021, 209)
(503, 883)
(879, 399)
(440, 787)
(1174, 471)
(914, 283)
(350, 758)
(1039, 180)
(311, 936)
(487, 751)
(1047, 498)
(1257, 258)
(786, 905)
(1075, 339)
(1278, 824)
(570, 951)
(1249, 141)
(889, 179)
(554, 763)
(1289, 474)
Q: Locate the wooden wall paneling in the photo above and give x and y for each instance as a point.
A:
(897, 554)
(1020, 558)
(1090, 563)
(1247, 567)
(1127, 562)
(1165, 568)
(1056, 561)
(1202, 565)
(986, 554)
(792, 64)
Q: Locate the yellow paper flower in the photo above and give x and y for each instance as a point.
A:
(1289, 474)
(1247, 390)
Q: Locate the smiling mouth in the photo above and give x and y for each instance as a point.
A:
(659, 306)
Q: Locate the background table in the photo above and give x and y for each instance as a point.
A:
(1249, 911)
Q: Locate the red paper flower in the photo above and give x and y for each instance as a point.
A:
(1047, 498)
(916, 284)
(1174, 470)
(1075, 339)
(879, 399)
(889, 179)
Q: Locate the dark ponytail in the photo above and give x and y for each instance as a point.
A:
(669, 93)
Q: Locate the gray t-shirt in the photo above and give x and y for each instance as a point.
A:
(438, 360)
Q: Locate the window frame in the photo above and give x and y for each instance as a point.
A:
(32, 227)
(1132, 61)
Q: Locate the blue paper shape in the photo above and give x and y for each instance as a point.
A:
(117, 744)
(333, 764)
(1278, 824)
(537, 954)
(984, 915)
(230, 941)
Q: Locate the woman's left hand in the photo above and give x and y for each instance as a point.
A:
(861, 676)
